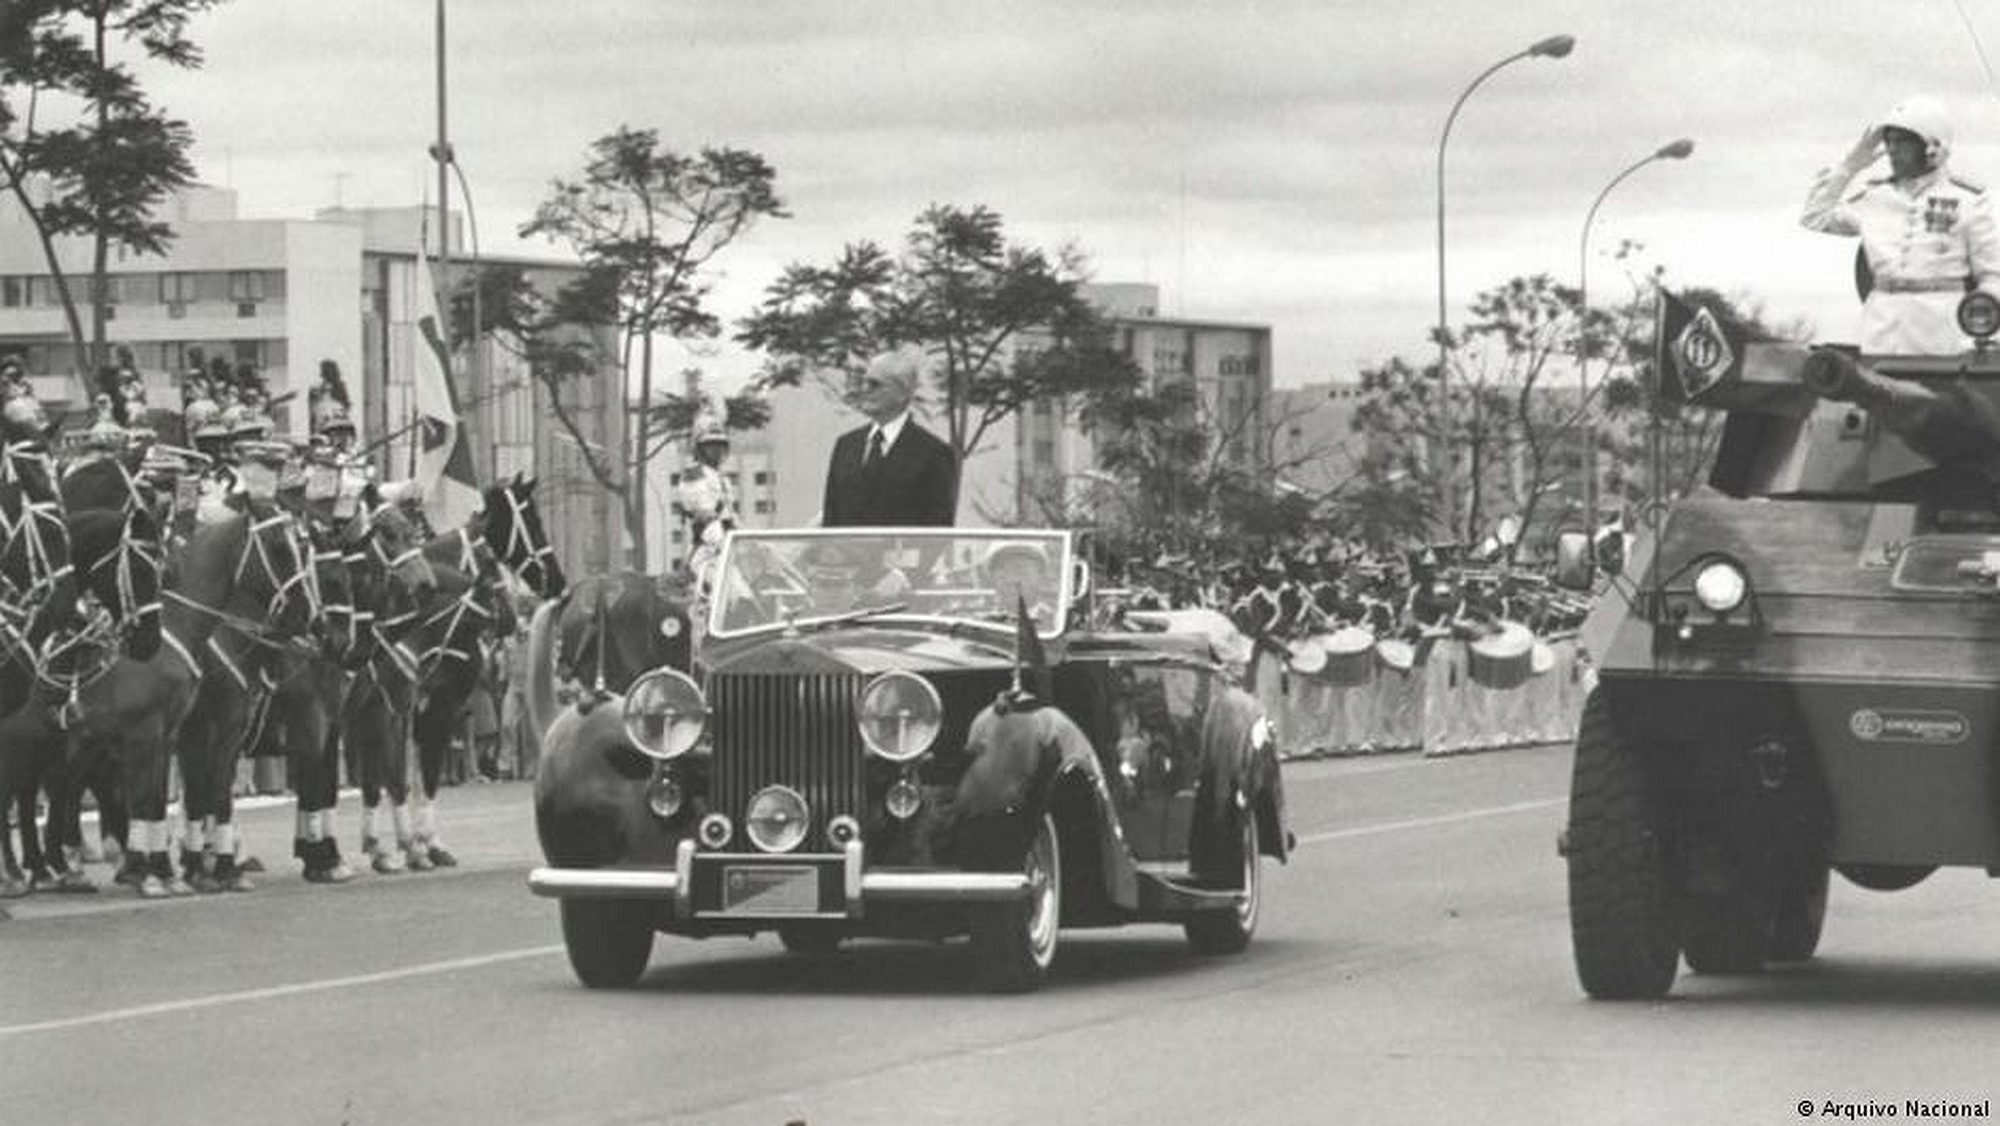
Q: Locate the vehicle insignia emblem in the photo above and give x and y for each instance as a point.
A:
(1703, 353)
(1909, 725)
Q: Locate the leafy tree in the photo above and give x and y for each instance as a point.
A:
(1176, 475)
(1007, 324)
(647, 223)
(83, 150)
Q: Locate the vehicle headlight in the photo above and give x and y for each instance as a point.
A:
(665, 796)
(1720, 587)
(900, 716)
(776, 820)
(665, 713)
(1979, 314)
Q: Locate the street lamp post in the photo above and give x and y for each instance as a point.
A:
(1553, 47)
(1676, 150)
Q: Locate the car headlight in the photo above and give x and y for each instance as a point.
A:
(776, 820)
(900, 716)
(1720, 587)
(665, 713)
(1979, 314)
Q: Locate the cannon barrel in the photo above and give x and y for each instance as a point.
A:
(1947, 427)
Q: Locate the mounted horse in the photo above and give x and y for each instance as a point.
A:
(386, 572)
(417, 689)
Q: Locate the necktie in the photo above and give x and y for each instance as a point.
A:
(874, 449)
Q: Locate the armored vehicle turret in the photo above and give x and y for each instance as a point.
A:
(1798, 669)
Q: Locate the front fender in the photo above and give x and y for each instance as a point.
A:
(1017, 757)
(590, 807)
(1239, 771)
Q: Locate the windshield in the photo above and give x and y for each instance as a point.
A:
(770, 578)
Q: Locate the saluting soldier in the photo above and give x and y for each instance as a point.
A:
(1927, 233)
(705, 498)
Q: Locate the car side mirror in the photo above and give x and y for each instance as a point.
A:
(1079, 580)
(1576, 567)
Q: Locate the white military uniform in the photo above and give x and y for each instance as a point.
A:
(1924, 238)
(705, 496)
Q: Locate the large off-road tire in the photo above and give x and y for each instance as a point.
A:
(1801, 912)
(1886, 877)
(1726, 933)
(1620, 893)
(1014, 944)
(608, 940)
(1229, 932)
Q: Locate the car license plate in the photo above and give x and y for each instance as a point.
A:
(766, 889)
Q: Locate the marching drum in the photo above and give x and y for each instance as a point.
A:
(1503, 658)
(1396, 653)
(1306, 656)
(1350, 655)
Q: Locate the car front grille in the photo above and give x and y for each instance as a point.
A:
(793, 730)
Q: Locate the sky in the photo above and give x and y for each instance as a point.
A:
(1262, 162)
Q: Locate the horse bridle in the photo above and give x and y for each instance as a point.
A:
(522, 553)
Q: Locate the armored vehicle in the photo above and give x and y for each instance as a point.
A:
(1798, 668)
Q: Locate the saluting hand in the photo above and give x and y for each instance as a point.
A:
(1866, 149)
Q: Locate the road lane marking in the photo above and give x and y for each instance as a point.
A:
(214, 1000)
(1428, 822)
(271, 992)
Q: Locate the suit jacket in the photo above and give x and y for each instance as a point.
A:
(915, 484)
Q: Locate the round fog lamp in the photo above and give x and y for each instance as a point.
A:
(903, 799)
(665, 713)
(715, 830)
(843, 831)
(1979, 314)
(776, 820)
(900, 716)
(1720, 587)
(665, 796)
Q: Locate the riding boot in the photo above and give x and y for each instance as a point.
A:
(438, 854)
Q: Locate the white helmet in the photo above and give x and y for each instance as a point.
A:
(1927, 118)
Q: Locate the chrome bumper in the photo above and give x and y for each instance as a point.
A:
(861, 887)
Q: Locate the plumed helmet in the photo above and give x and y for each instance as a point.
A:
(1927, 118)
(710, 431)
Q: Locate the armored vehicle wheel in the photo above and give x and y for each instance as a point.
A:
(810, 940)
(1726, 934)
(1014, 944)
(1620, 919)
(608, 940)
(1229, 932)
(1886, 877)
(1801, 913)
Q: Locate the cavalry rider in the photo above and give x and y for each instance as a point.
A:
(1927, 233)
(705, 499)
(337, 475)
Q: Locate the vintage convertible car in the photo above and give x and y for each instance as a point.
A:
(911, 733)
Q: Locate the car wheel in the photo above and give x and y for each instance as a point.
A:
(1014, 944)
(1801, 913)
(1728, 933)
(1620, 916)
(1229, 932)
(810, 940)
(608, 940)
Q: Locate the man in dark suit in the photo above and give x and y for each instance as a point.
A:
(891, 472)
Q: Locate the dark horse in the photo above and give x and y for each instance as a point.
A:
(247, 590)
(37, 598)
(114, 546)
(417, 690)
(385, 572)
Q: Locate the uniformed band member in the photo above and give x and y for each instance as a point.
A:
(1927, 234)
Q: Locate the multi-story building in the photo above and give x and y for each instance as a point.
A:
(1044, 451)
(284, 294)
